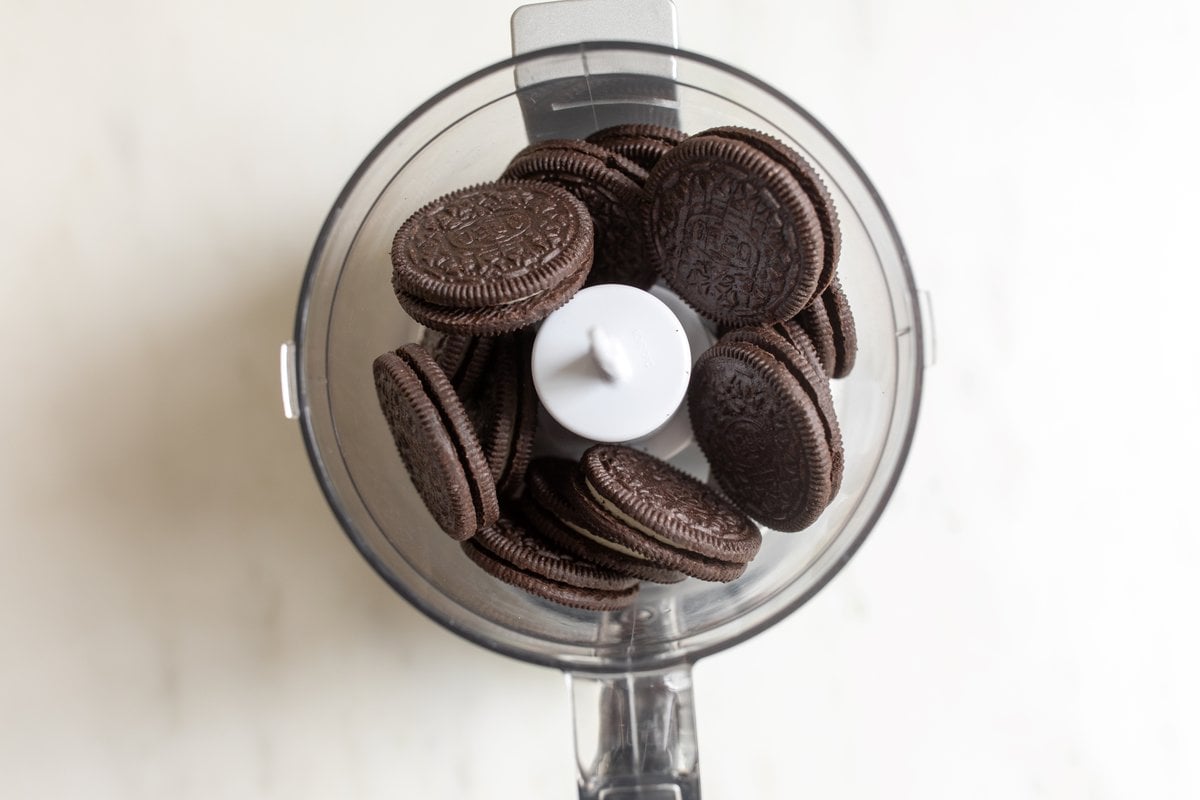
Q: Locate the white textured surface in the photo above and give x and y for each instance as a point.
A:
(181, 617)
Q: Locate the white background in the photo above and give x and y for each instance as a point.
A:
(180, 616)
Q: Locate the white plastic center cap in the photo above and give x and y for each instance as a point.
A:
(613, 364)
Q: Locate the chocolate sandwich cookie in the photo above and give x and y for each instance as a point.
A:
(642, 144)
(806, 175)
(491, 244)
(814, 325)
(763, 435)
(732, 232)
(684, 523)
(845, 336)
(513, 552)
(436, 441)
(792, 348)
(610, 186)
(505, 412)
(549, 504)
(462, 357)
(492, 320)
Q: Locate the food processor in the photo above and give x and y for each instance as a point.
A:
(578, 66)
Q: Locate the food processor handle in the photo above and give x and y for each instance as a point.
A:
(635, 735)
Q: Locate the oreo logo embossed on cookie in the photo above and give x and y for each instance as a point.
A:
(520, 246)
(733, 232)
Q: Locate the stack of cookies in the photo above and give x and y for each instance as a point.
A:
(736, 223)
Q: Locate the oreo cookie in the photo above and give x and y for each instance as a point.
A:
(684, 524)
(505, 412)
(610, 186)
(436, 441)
(805, 175)
(495, 319)
(461, 356)
(792, 348)
(732, 232)
(845, 336)
(552, 505)
(764, 436)
(642, 144)
(512, 246)
(513, 552)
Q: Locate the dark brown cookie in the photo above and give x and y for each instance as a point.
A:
(642, 144)
(436, 443)
(814, 324)
(549, 505)
(512, 482)
(845, 337)
(763, 435)
(461, 356)
(561, 593)
(732, 232)
(494, 411)
(491, 320)
(505, 412)
(491, 244)
(513, 540)
(620, 533)
(792, 348)
(668, 504)
(806, 175)
(611, 188)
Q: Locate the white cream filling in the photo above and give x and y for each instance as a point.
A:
(620, 548)
(623, 517)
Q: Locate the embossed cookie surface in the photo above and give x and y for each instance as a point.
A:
(491, 244)
(762, 434)
(732, 232)
(678, 509)
(435, 441)
(515, 553)
(611, 188)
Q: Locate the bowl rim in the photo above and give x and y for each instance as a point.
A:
(659, 659)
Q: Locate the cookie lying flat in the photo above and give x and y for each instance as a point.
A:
(642, 144)
(732, 232)
(436, 441)
(550, 505)
(763, 435)
(684, 524)
(513, 552)
(611, 188)
(492, 258)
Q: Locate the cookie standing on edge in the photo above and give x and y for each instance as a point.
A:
(763, 435)
(794, 350)
(505, 412)
(436, 441)
(462, 357)
(492, 258)
(733, 232)
(550, 505)
(642, 144)
(611, 188)
(806, 175)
